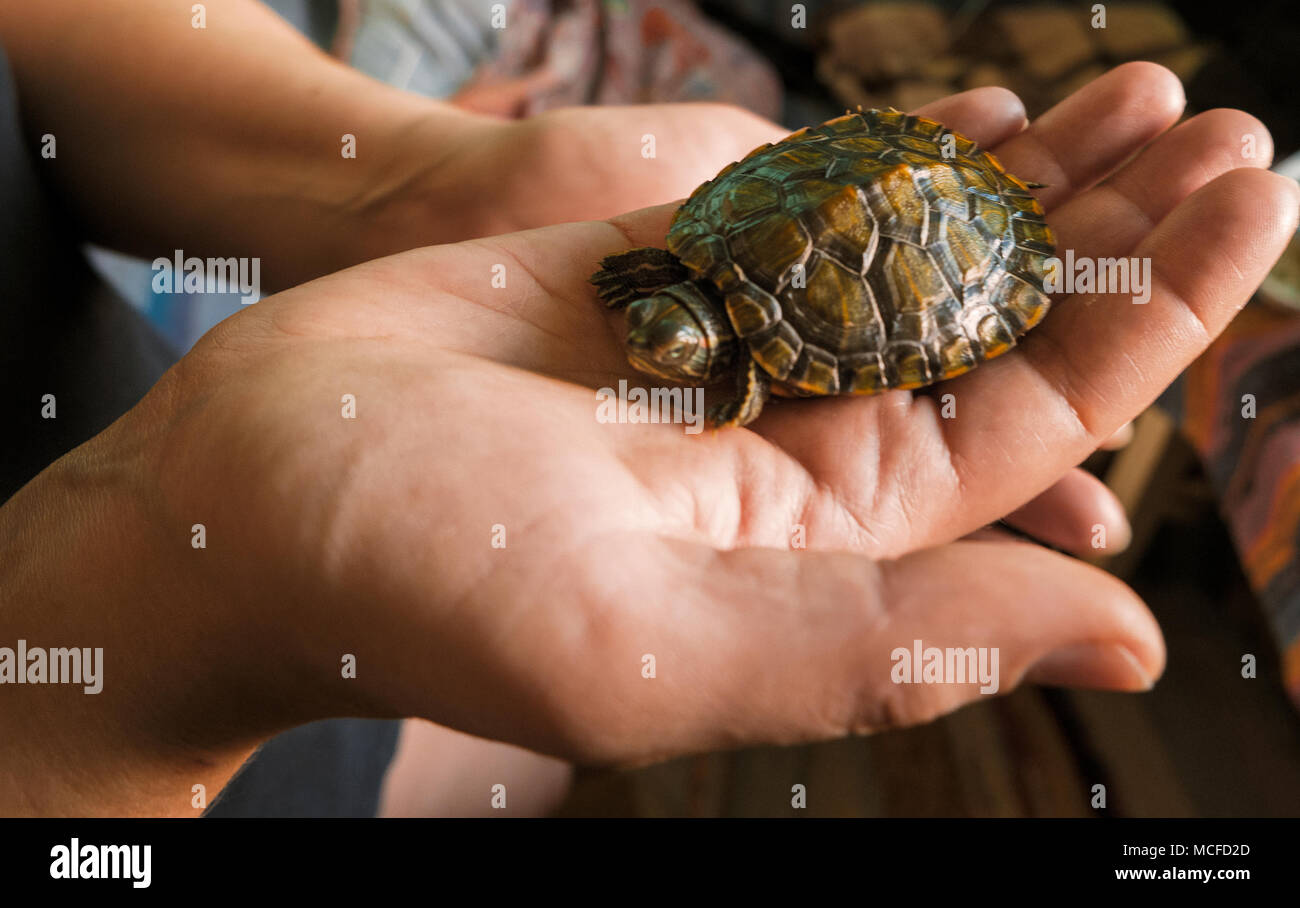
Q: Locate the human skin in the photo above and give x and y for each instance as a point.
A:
(474, 407)
(225, 140)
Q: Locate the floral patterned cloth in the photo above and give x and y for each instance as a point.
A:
(531, 55)
(1239, 406)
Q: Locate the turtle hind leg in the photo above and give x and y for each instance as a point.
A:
(752, 389)
(628, 276)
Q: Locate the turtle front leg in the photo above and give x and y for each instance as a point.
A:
(629, 276)
(752, 389)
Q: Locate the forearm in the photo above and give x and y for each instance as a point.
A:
(190, 676)
(225, 140)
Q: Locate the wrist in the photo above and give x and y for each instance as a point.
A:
(428, 184)
(170, 696)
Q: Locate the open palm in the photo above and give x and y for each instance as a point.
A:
(475, 417)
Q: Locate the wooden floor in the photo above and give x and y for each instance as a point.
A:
(1205, 742)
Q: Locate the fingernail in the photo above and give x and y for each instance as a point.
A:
(1092, 666)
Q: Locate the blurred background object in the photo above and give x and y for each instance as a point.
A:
(908, 54)
(533, 55)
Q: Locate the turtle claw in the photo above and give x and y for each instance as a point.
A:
(752, 388)
(626, 277)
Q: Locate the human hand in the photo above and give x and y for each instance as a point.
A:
(585, 163)
(582, 163)
(253, 143)
(461, 175)
(475, 410)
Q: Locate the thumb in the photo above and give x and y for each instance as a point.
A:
(768, 646)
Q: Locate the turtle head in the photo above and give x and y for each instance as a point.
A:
(679, 334)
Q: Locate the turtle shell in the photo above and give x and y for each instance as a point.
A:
(878, 250)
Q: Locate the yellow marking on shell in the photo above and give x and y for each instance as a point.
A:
(805, 195)
(994, 162)
(931, 129)
(867, 379)
(956, 357)
(778, 354)
(911, 365)
(819, 377)
(1024, 303)
(749, 312)
(697, 252)
(747, 196)
(993, 215)
(774, 244)
(1032, 233)
(994, 337)
(969, 250)
(866, 168)
(977, 179)
(802, 157)
(949, 189)
(900, 192)
(836, 296)
(1016, 181)
(1026, 204)
(890, 117)
(925, 148)
(916, 284)
(842, 226)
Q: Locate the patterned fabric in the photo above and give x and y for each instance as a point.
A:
(430, 48)
(533, 55)
(1252, 457)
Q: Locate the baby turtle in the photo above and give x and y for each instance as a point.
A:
(876, 251)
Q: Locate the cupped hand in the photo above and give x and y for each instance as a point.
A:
(582, 163)
(500, 561)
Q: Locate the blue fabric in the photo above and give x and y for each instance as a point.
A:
(325, 769)
(427, 48)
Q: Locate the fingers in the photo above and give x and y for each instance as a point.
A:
(1123, 435)
(1114, 217)
(762, 645)
(1094, 130)
(1104, 357)
(1078, 514)
(917, 478)
(1099, 360)
(987, 116)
